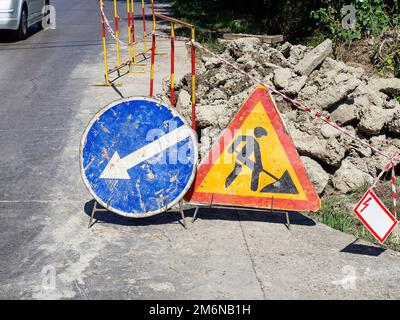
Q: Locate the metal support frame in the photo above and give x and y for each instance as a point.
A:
(211, 206)
(96, 209)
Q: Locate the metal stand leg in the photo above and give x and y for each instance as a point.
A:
(288, 221)
(92, 215)
(197, 208)
(195, 214)
(94, 210)
(182, 214)
(286, 213)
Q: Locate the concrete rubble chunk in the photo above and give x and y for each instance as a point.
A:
(394, 123)
(314, 58)
(296, 54)
(365, 96)
(285, 48)
(342, 68)
(349, 177)
(393, 104)
(328, 131)
(329, 151)
(285, 79)
(388, 86)
(330, 85)
(237, 48)
(209, 115)
(318, 177)
(212, 63)
(331, 94)
(345, 114)
(373, 120)
(276, 57)
(183, 104)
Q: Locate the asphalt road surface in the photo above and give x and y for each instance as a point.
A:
(46, 249)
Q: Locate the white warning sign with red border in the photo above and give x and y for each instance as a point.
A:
(375, 216)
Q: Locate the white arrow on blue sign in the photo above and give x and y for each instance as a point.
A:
(138, 157)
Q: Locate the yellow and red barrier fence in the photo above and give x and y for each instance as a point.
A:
(174, 22)
(131, 44)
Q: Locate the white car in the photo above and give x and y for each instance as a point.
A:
(19, 15)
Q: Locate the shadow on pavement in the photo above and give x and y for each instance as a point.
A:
(363, 249)
(112, 218)
(203, 214)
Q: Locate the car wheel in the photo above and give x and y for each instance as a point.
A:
(45, 22)
(22, 32)
(47, 13)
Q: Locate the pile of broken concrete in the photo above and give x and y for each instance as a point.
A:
(363, 105)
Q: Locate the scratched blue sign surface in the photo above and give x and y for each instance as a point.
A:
(138, 157)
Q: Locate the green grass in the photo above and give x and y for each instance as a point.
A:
(314, 39)
(337, 212)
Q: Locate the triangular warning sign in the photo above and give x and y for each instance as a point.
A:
(255, 164)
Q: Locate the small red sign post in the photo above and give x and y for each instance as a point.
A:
(375, 216)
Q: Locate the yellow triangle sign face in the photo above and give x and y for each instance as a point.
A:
(255, 164)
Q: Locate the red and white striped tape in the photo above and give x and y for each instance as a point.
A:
(112, 33)
(385, 169)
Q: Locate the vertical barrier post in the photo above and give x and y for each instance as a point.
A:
(103, 32)
(172, 64)
(152, 13)
(153, 24)
(133, 30)
(153, 54)
(116, 20)
(144, 28)
(193, 80)
(128, 9)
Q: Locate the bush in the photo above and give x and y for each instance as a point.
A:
(290, 17)
(372, 16)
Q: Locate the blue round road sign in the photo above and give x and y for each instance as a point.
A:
(138, 157)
